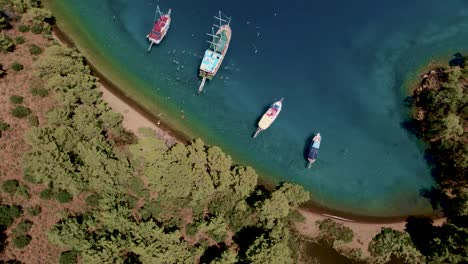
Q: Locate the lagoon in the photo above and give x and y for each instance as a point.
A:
(342, 67)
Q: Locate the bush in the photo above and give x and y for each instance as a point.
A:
(17, 66)
(23, 28)
(23, 190)
(36, 29)
(332, 231)
(20, 111)
(92, 200)
(21, 241)
(22, 228)
(39, 92)
(16, 99)
(6, 44)
(10, 186)
(35, 49)
(35, 210)
(68, 257)
(46, 194)
(64, 197)
(33, 121)
(8, 213)
(19, 40)
(4, 126)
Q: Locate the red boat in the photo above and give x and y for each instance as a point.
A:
(160, 28)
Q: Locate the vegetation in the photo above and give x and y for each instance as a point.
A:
(39, 92)
(68, 257)
(23, 28)
(6, 44)
(19, 40)
(391, 243)
(22, 228)
(16, 99)
(3, 22)
(4, 126)
(13, 187)
(64, 197)
(21, 241)
(34, 49)
(2, 71)
(332, 231)
(16, 66)
(10, 186)
(34, 211)
(20, 111)
(33, 120)
(8, 213)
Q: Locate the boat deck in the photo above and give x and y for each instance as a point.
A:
(210, 61)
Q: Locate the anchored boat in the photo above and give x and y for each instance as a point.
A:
(160, 28)
(269, 117)
(313, 151)
(219, 45)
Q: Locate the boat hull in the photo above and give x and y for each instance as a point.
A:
(270, 116)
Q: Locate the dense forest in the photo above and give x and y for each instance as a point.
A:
(113, 197)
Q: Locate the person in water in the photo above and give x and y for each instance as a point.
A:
(315, 147)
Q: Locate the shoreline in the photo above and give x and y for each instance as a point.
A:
(310, 207)
(113, 89)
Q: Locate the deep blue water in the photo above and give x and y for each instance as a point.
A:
(340, 65)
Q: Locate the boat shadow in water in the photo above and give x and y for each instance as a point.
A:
(305, 152)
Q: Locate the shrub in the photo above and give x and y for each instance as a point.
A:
(64, 197)
(21, 241)
(36, 29)
(332, 231)
(68, 257)
(20, 111)
(46, 194)
(39, 92)
(17, 66)
(35, 49)
(22, 228)
(34, 211)
(23, 28)
(33, 121)
(4, 126)
(6, 44)
(8, 213)
(19, 40)
(92, 200)
(16, 99)
(10, 186)
(23, 190)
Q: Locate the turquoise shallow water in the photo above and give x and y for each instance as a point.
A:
(340, 65)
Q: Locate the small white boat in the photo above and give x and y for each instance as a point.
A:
(269, 117)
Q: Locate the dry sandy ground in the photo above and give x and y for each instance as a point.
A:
(12, 148)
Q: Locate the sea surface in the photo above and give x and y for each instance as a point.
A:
(340, 65)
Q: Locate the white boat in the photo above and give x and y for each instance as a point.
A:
(269, 117)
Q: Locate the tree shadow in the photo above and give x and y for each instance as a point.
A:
(260, 194)
(422, 233)
(213, 252)
(436, 197)
(305, 151)
(245, 237)
(457, 60)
